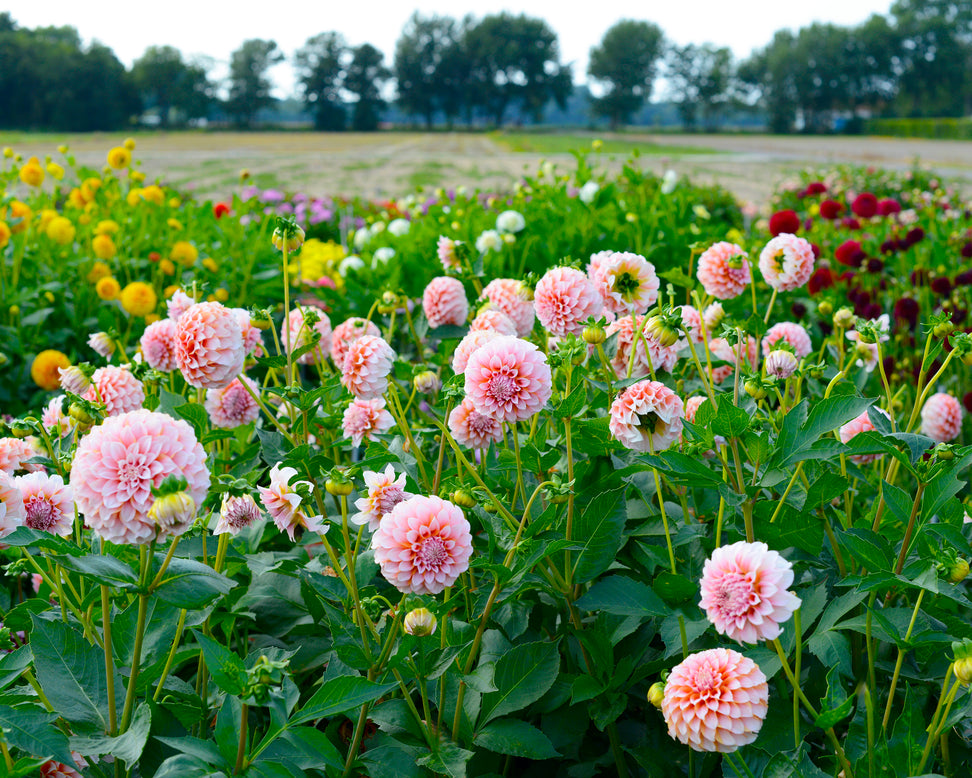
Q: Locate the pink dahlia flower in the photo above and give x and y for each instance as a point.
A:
(626, 282)
(283, 503)
(723, 270)
(236, 514)
(363, 419)
(495, 320)
(722, 349)
(55, 421)
(789, 332)
(297, 334)
(233, 406)
(468, 345)
(941, 417)
(692, 405)
(506, 295)
(445, 249)
(11, 505)
(54, 769)
(745, 592)
(14, 453)
(102, 344)
(423, 545)
(444, 302)
(473, 429)
(117, 388)
(712, 316)
(786, 262)
(178, 304)
(346, 333)
(209, 346)
(508, 379)
(715, 700)
(780, 364)
(385, 491)
(662, 357)
(253, 337)
(74, 379)
(692, 321)
(117, 464)
(855, 427)
(48, 503)
(158, 344)
(647, 416)
(564, 299)
(366, 367)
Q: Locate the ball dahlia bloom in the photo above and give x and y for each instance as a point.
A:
(647, 416)
(626, 282)
(745, 592)
(723, 270)
(11, 505)
(423, 545)
(692, 405)
(283, 503)
(649, 348)
(564, 299)
(233, 406)
(118, 462)
(209, 346)
(468, 346)
(367, 364)
(855, 427)
(472, 428)
(492, 319)
(158, 344)
(346, 333)
(178, 304)
(385, 491)
(117, 388)
(786, 262)
(508, 379)
(941, 417)
(784, 221)
(445, 249)
(506, 295)
(789, 332)
(715, 701)
(14, 453)
(236, 514)
(444, 302)
(48, 503)
(253, 337)
(363, 419)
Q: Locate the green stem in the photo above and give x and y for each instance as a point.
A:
(241, 748)
(910, 529)
(172, 652)
(109, 659)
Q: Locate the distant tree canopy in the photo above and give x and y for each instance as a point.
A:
(177, 90)
(624, 65)
(321, 65)
(249, 85)
(701, 81)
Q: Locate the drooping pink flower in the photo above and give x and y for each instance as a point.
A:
(781, 364)
(74, 379)
(298, 333)
(468, 345)
(506, 295)
(941, 417)
(117, 388)
(445, 249)
(283, 502)
(368, 362)
(209, 346)
(55, 421)
(712, 316)
(48, 503)
(564, 299)
(363, 419)
(790, 332)
(626, 282)
(471, 428)
(495, 320)
(647, 416)
(855, 427)
(233, 406)
(423, 545)
(158, 344)
(385, 491)
(508, 379)
(236, 514)
(178, 304)
(786, 262)
(102, 344)
(253, 337)
(117, 464)
(11, 505)
(14, 453)
(745, 592)
(346, 333)
(648, 347)
(715, 701)
(444, 302)
(723, 270)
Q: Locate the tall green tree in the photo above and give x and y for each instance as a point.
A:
(624, 65)
(177, 89)
(365, 75)
(418, 68)
(700, 81)
(321, 64)
(249, 84)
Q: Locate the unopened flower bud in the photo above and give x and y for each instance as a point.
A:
(427, 382)
(594, 334)
(662, 330)
(958, 571)
(339, 484)
(80, 415)
(754, 388)
(463, 498)
(963, 670)
(420, 622)
(102, 343)
(844, 318)
(781, 364)
(825, 308)
(656, 694)
(943, 329)
(287, 234)
(173, 512)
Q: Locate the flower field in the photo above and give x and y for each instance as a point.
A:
(601, 474)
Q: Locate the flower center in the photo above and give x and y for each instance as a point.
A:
(432, 554)
(707, 682)
(131, 473)
(234, 403)
(627, 284)
(736, 595)
(650, 422)
(502, 388)
(41, 514)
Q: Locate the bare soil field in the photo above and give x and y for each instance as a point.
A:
(390, 164)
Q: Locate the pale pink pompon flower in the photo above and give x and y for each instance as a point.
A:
(385, 491)
(233, 406)
(117, 464)
(158, 344)
(855, 427)
(444, 302)
(745, 592)
(11, 505)
(715, 701)
(178, 304)
(495, 320)
(723, 270)
(346, 333)
(786, 262)
(506, 295)
(661, 357)
(941, 417)
(48, 503)
(283, 503)
(298, 333)
(117, 388)
(564, 299)
(508, 379)
(626, 282)
(468, 345)
(363, 419)
(647, 416)
(367, 363)
(14, 453)
(236, 514)
(253, 337)
(789, 332)
(471, 428)
(423, 545)
(209, 346)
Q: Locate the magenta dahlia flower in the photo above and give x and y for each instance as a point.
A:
(508, 379)
(647, 416)
(209, 346)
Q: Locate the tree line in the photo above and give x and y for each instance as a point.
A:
(914, 61)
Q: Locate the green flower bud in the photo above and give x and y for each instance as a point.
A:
(420, 622)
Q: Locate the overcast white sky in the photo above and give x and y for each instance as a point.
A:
(215, 28)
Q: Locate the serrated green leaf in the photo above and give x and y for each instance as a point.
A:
(622, 596)
(192, 585)
(515, 738)
(599, 527)
(32, 730)
(225, 667)
(522, 676)
(340, 695)
(128, 746)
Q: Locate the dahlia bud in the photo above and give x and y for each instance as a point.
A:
(427, 382)
(781, 364)
(388, 303)
(288, 233)
(663, 330)
(594, 334)
(174, 512)
(463, 498)
(755, 389)
(4, 359)
(943, 329)
(963, 670)
(102, 343)
(339, 484)
(844, 318)
(656, 694)
(713, 316)
(525, 291)
(80, 415)
(825, 308)
(958, 571)
(420, 622)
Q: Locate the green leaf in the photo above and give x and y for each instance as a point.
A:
(106, 570)
(622, 596)
(523, 675)
(599, 526)
(448, 759)
(204, 750)
(515, 738)
(730, 421)
(196, 415)
(12, 665)
(32, 730)
(192, 585)
(128, 746)
(340, 695)
(572, 404)
(273, 446)
(871, 549)
(836, 705)
(306, 747)
(27, 537)
(224, 666)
